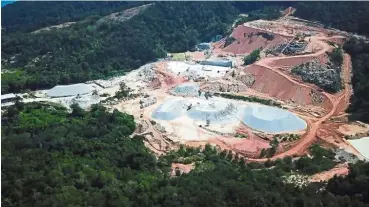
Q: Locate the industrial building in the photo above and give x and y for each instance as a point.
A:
(70, 90)
(217, 62)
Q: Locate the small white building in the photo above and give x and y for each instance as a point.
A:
(217, 62)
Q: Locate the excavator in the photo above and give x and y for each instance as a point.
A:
(189, 107)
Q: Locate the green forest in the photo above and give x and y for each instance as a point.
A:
(52, 157)
(91, 49)
(346, 16)
(29, 16)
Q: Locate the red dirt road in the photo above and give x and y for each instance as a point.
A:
(346, 76)
(340, 170)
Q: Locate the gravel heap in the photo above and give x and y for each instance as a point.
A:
(327, 78)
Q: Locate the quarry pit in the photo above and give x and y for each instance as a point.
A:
(173, 99)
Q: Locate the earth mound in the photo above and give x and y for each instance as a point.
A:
(247, 39)
(278, 86)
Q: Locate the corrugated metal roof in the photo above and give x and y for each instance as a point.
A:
(70, 90)
(8, 96)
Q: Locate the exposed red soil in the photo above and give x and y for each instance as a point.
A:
(339, 170)
(250, 146)
(247, 40)
(288, 11)
(278, 86)
(165, 79)
(328, 133)
(310, 136)
(196, 56)
(291, 62)
(346, 75)
(183, 168)
(331, 133)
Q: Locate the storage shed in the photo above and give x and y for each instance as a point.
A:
(217, 62)
(70, 90)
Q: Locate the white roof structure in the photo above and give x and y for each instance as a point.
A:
(361, 145)
(70, 90)
(8, 96)
(217, 62)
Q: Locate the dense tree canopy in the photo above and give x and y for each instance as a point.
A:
(252, 57)
(29, 16)
(347, 16)
(359, 103)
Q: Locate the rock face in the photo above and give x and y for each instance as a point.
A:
(147, 73)
(145, 102)
(247, 79)
(325, 77)
(224, 87)
(293, 48)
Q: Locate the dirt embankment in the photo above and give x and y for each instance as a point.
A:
(339, 170)
(346, 76)
(295, 61)
(182, 168)
(278, 86)
(249, 39)
(165, 79)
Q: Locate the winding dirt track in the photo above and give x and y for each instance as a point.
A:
(335, 100)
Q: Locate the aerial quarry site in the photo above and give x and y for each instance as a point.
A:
(210, 96)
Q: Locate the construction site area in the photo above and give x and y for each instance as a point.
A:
(211, 97)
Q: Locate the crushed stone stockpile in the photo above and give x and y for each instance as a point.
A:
(187, 89)
(271, 119)
(262, 118)
(215, 111)
(324, 76)
(169, 110)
